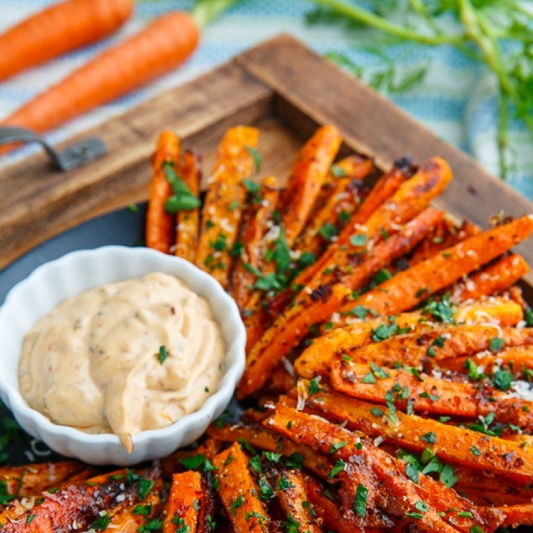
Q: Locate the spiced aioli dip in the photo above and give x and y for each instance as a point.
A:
(123, 358)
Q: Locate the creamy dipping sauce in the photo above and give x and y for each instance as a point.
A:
(97, 361)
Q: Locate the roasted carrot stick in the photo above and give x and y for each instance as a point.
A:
(224, 202)
(160, 224)
(427, 394)
(407, 288)
(329, 218)
(490, 280)
(188, 222)
(408, 200)
(162, 45)
(58, 29)
(256, 218)
(183, 503)
(518, 515)
(238, 491)
(451, 443)
(317, 358)
(307, 175)
(317, 301)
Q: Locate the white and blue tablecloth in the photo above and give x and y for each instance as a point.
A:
(456, 100)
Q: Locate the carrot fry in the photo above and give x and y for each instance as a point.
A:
(516, 359)
(255, 322)
(407, 288)
(224, 200)
(421, 348)
(188, 222)
(317, 358)
(160, 224)
(455, 444)
(320, 300)
(443, 236)
(255, 226)
(60, 28)
(183, 503)
(29, 480)
(378, 472)
(306, 178)
(155, 50)
(518, 515)
(492, 279)
(411, 198)
(293, 499)
(340, 205)
(238, 491)
(428, 394)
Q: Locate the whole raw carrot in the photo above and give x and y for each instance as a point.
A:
(158, 48)
(58, 29)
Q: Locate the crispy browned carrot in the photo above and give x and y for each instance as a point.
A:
(427, 394)
(317, 358)
(407, 288)
(224, 200)
(410, 198)
(317, 301)
(516, 359)
(338, 208)
(416, 349)
(255, 321)
(392, 493)
(492, 279)
(188, 221)
(451, 443)
(160, 224)
(238, 491)
(262, 439)
(518, 515)
(292, 496)
(443, 236)
(306, 178)
(256, 219)
(183, 504)
(28, 480)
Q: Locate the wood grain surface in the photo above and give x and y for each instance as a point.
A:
(280, 85)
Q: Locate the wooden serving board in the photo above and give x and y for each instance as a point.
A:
(280, 85)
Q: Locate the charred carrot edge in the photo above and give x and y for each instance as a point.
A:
(224, 201)
(342, 200)
(188, 222)
(406, 289)
(429, 394)
(255, 226)
(27, 481)
(444, 342)
(183, 503)
(492, 279)
(57, 29)
(454, 444)
(317, 301)
(159, 224)
(515, 359)
(410, 199)
(238, 491)
(444, 235)
(317, 358)
(379, 475)
(518, 515)
(306, 178)
(293, 500)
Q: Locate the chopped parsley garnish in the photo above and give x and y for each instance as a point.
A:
(496, 344)
(502, 380)
(327, 231)
(256, 157)
(163, 354)
(339, 467)
(361, 495)
(182, 199)
(358, 240)
(100, 524)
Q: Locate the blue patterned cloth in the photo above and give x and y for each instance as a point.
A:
(456, 100)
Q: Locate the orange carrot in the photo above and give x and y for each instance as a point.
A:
(159, 224)
(161, 46)
(188, 222)
(58, 29)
